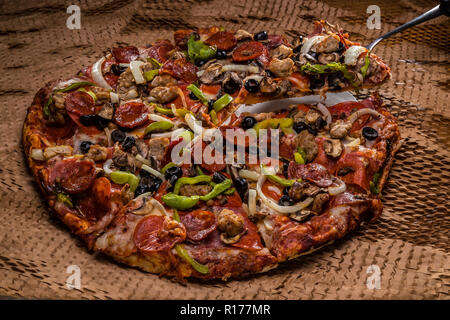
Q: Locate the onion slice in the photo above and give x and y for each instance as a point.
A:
(97, 74)
(153, 171)
(251, 202)
(191, 122)
(142, 159)
(284, 210)
(240, 68)
(114, 97)
(37, 154)
(351, 55)
(361, 112)
(135, 67)
(106, 166)
(338, 189)
(250, 175)
(326, 113)
(310, 42)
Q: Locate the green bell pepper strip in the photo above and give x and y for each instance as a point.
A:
(45, 109)
(167, 166)
(299, 158)
(154, 62)
(181, 112)
(366, 65)
(158, 126)
(274, 124)
(149, 75)
(374, 184)
(329, 68)
(165, 111)
(176, 216)
(229, 191)
(302, 153)
(122, 177)
(217, 189)
(92, 94)
(222, 102)
(213, 116)
(198, 93)
(197, 50)
(189, 180)
(280, 181)
(198, 170)
(65, 199)
(76, 85)
(182, 253)
(178, 202)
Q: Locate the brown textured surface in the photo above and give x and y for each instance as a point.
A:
(410, 243)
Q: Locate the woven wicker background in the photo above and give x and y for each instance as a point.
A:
(410, 243)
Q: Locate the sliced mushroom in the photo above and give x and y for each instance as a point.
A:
(312, 116)
(165, 94)
(242, 35)
(212, 74)
(61, 150)
(306, 141)
(107, 111)
(302, 190)
(301, 215)
(282, 52)
(102, 94)
(326, 58)
(332, 147)
(339, 129)
(281, 68)
(329, 44)
(97, 153)
(231, 82)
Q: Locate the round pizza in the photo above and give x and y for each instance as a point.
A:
(144, 157)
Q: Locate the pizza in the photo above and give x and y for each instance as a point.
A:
(143, 156)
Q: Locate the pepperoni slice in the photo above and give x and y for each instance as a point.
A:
(111, 79)
(160, 50)
(248, 51)
(131, 115)
(180, 69)
(73, 175)
(155, 233)
(125, 54)
(223, 40)
(360, 173)
(213, 167)
(275, 40)
(79, 102)
(312, 172)
(199, 224)
(181, 37)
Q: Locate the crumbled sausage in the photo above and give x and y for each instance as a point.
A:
(195, 189)
(163, 80)
(282, 52)
(157, 146)
(97, 153)
(164, 94)
(332, 147)
(230, 223)
(126, 87)
(307, 142)
(319, 202)
(281, 68)
(329, 44)
(339, 129)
